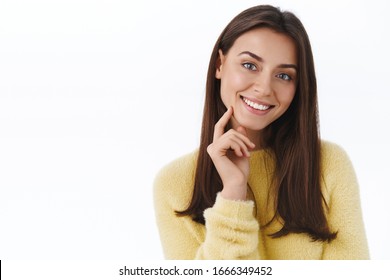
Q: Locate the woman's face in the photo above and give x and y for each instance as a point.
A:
(258, 77)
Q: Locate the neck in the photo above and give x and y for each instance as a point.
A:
(255, 137)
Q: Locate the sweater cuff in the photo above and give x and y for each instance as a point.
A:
(234, 208)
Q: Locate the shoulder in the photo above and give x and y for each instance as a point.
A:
(176, 179)
(333, 155)
(178, 169)
(336, 167)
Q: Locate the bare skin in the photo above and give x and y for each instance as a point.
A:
(258, 83)
(230, 154)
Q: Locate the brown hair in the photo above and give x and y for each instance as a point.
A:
(293, 138)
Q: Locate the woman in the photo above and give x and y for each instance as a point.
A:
(262, 185)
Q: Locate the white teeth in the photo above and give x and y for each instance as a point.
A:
(255, 105)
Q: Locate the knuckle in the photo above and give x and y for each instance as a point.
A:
(218, 124)
(234, 146)
(217, 129)
(230, 132)
(210, 149)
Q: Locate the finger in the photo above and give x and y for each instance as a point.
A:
(237, 148)
(242, 130)
(230, 142)
(237, 145)
(241, 134)
(219, 128)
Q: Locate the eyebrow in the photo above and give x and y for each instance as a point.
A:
(258, 58)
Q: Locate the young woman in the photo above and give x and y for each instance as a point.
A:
(262, 185)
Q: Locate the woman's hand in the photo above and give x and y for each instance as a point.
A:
(230, 155)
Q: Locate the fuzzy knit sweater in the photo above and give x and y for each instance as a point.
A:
(235, 229)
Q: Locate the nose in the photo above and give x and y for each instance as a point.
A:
(262, 85)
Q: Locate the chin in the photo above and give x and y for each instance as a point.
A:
(251, 125)
(255, 128)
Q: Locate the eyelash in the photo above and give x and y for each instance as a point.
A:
(249, 66)
(284, 77)
(252, 67)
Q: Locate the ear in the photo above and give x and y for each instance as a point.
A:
(219, 64)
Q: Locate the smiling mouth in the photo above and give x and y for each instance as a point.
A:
(254, 105)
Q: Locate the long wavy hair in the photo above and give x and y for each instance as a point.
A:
(293, 139)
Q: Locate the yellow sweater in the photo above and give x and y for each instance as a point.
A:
(234, 229)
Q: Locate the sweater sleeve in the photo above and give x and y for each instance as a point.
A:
(231, 230)
(345, 214)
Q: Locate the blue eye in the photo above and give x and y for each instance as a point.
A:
(249, 66)
(284, 77)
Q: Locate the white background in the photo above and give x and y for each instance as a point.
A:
(96, 96)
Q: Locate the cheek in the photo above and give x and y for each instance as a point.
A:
(286, 96)
(232, 83)
(239, 81)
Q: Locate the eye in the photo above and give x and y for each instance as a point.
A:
(249, 66)
(284, 77)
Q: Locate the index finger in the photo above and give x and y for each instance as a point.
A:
(219, 128)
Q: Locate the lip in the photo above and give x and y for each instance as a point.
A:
(253, 110)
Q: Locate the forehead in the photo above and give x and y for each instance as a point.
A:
(270, 45)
